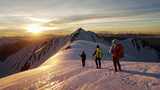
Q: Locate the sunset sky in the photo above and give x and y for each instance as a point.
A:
(16, 16)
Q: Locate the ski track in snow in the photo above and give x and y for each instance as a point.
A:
(69, 75)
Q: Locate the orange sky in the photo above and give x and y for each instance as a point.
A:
(64, 16)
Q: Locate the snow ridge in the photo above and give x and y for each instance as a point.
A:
(33, 56)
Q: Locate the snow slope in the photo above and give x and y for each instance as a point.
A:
(134, 48)
(73, 50)
(63, 71)
(33, 56)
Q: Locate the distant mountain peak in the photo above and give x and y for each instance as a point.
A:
(82, 34)
(79, 30)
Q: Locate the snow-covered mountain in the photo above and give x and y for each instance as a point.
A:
(5, 43)
(137, 51)
(33, 56)
(81, 34)
(63, 71)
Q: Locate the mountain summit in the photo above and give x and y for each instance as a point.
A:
(82, 34)
(34, 55)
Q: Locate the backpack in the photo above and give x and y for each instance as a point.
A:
(98, 53)
(120, 50)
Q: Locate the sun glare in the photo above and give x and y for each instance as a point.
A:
(33, 28)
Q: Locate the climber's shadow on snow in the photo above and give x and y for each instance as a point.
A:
(148, 74)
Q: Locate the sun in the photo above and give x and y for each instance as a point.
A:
(33, 28)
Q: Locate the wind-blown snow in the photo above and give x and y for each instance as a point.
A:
(63, 71)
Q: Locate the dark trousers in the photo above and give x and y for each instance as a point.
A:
(83, 62)
(98, 62)
(116, 63)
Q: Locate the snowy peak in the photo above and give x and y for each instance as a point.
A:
(79, 30)
(82, 34)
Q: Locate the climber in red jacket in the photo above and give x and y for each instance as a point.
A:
(117, 52)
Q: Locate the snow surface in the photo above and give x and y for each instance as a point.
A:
(63, 71)
(16, 61)
(72, 44)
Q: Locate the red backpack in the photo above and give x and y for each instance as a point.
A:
(119, 50)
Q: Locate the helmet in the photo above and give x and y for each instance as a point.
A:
(115, 41)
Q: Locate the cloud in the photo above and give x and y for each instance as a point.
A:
(51, 8)
(62, 13)
(142, 13)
